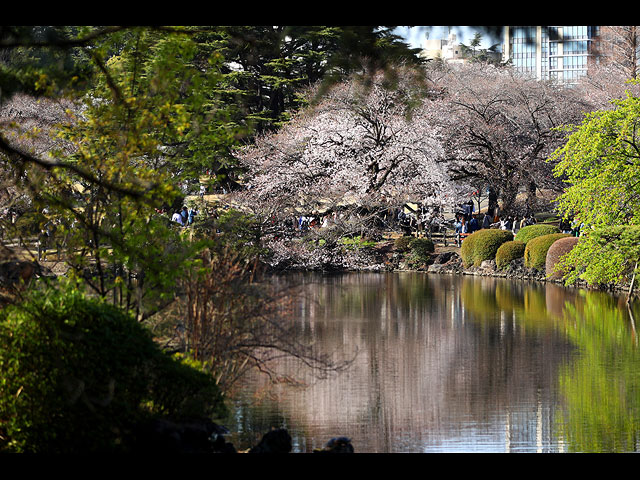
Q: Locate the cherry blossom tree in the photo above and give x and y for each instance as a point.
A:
(605, 83)
(354, 158)
(499, 127)
(619, 47)
(361, 145)
(27, 125)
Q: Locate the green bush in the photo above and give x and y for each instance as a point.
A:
(509, 251)
(556, 251)
(420, 251)
(532, 231)
(78, 375)
(402, 243)
(535, 253)
(421, 247)
(467, 249)
(483, 245)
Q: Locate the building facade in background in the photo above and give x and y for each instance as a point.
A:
(559, 53)
(447, 49)
(451, 50)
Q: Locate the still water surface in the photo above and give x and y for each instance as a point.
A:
(455, 364)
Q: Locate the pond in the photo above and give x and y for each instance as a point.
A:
(444, 363)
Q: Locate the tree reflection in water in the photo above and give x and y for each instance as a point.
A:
(448, 363)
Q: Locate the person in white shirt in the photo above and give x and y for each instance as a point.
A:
(177, 217)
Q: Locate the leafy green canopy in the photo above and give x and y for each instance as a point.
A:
(149, 121)
(43, 59)
(604, 255)
(600, 163)
(268, 66)
(217, 83)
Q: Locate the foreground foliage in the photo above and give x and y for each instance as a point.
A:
(606, 255)
(79, 375)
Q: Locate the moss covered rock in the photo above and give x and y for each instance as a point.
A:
(535, 253)
(556, 251)
(509, 251)
(532, 231)
(483, 245)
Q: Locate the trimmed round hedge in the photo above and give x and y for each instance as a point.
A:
(535, 253)
(556, 250)
(532, 231)
(483, 245)
(509, 251)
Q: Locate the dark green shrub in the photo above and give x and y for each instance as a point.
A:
(421, 247)
(556, 250)
(483, 245)
(402, 243)
(509, 251)
(79, 375)
(420, 251)
(535, 253)
(532, 231)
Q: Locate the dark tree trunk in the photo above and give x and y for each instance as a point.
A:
(531, 197)
(493, 202)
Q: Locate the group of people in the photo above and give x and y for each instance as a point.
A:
(512, 223)
(572, 227)
(184, 217)
(306, 222)
(422, 220)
